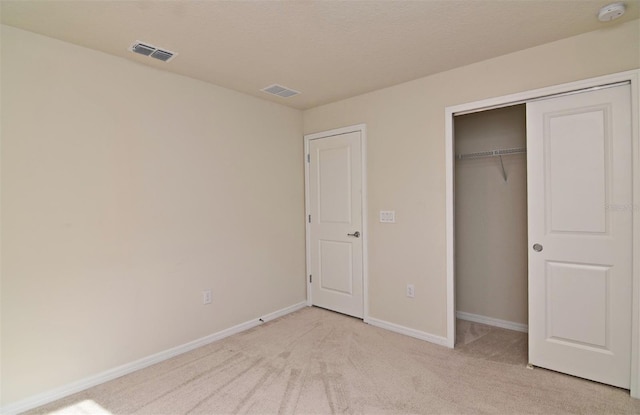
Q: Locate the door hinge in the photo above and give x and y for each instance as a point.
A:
(308, 158)
(310, 278)
(309, 218)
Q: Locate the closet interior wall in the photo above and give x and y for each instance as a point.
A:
(491, 216)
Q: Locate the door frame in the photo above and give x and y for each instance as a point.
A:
(362, 128)
(522, 97)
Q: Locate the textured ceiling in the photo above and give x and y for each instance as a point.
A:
(328, 50)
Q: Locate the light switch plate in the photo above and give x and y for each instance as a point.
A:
(387, 216)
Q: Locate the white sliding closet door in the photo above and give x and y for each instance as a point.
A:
(580, 233)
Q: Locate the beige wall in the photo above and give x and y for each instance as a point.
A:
(491, 216)
(126, 191)
(406, 163)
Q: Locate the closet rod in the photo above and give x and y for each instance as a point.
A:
(494, 153)
(491, 153)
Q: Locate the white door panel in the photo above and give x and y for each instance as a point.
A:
(579, 167)
(577, 319)
(335, 197)
(335, 271)
(577, 160)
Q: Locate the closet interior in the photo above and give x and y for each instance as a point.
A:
(491, 217)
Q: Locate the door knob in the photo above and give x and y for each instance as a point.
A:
(537, 247)
(356, 234)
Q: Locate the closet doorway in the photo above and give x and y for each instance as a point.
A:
(582, 188)
(491, 232)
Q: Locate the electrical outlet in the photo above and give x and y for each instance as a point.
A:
(206, 297)
(411, 291)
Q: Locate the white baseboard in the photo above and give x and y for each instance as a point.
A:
(431, 338)
(91, 381)
(284, 311)
(490, 321)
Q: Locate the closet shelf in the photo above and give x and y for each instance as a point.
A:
(491, 153)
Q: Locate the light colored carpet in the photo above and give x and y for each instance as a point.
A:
(492, 343)
(319, 362)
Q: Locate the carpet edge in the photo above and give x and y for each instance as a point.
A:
(110, 374)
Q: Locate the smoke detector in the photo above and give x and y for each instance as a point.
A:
(611, 12)
(147, 49)
(280, 91)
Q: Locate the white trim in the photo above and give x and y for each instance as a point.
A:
(91, 381)
(635, 319)
(365, 227)
(431, 338)
(490, 321)
(338, 131)
(449, 228)
(543, 97)
(307, 203)
(497, 102)
(280, 313)
(522, 97)
(362, 128)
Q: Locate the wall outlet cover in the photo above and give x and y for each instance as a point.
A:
(206, 297)
(411, 291)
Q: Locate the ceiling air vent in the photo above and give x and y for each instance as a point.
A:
(149, 50)
(163, 55)
(280, 91)
(143, 49)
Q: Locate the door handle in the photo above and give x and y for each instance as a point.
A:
(356, 234)
(537, 247)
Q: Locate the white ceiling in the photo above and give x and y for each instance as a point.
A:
(328, 50)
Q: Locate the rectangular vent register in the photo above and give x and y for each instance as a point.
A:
(147, 49)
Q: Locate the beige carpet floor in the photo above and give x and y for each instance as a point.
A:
(319, 362)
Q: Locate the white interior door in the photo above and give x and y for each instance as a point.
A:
(580, 232)
(335, 198)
